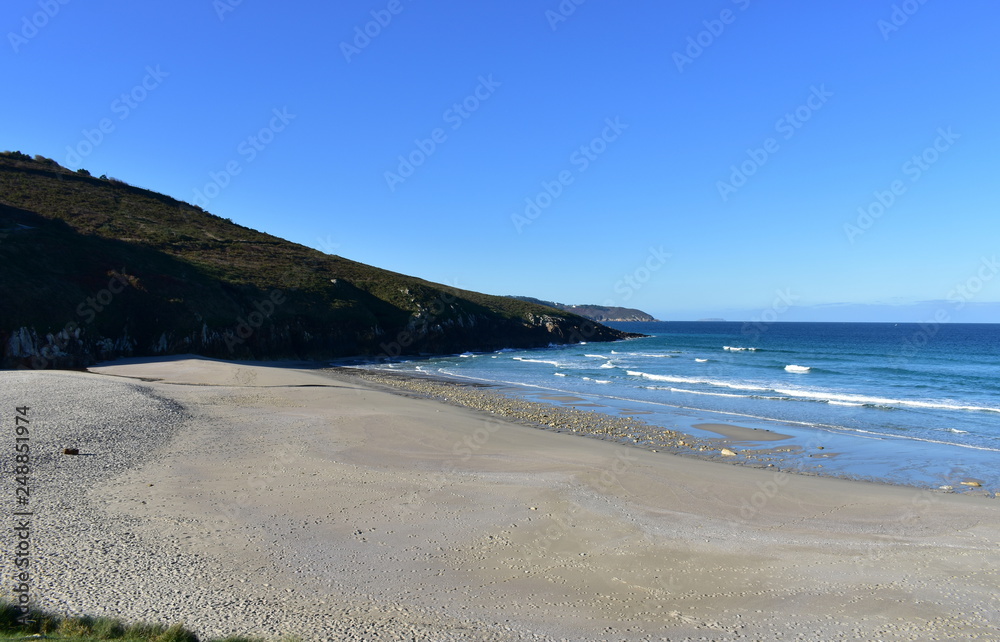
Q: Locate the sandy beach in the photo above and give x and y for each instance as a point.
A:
(265, 501)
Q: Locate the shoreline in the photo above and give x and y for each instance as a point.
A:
(750, 447)
(288, 501)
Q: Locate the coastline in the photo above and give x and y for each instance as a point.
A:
(287, 501)
(691, 435)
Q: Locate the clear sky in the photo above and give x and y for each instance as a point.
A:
(690, 158)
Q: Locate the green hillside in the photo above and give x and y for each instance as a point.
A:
(95, 268)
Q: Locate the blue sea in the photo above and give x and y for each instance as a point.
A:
(904, 403)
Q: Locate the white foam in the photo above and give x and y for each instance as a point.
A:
(559, 374)
(527, 360)
(797, 369)
(608, 365)
(833, 428)
(737, 349)
(816, 395)
(707, 382)
(598, 356)
(830, 397)
(708, 394)
(701, 360)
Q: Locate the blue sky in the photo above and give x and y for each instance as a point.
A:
(692, 159)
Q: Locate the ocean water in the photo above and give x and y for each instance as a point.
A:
(905, 403)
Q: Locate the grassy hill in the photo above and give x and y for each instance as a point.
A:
(94, 268)
(599, 313)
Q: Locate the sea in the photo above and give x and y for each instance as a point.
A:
(912, 404)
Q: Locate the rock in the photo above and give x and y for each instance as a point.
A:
(971, 482)
(728, 453)
(71, 451)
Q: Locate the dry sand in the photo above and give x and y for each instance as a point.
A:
(353, 513)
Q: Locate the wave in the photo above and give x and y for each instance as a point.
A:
(596, 380)
(818, 395)
(466, 355)
(701, 360)
(695, 380)
(859, 432)
(527, 360)
(599, 356)
(797, 369)
(698, 392)
(559, 374)
(608, 365)
(884, 402)
(738, 349)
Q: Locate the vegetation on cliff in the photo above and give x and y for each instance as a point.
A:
(95, 268)
(599, 313)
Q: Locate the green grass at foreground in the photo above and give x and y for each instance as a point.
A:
(49, 626)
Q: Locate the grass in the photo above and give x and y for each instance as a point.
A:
(49, 626)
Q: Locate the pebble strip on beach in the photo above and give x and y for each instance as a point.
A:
(626, 430)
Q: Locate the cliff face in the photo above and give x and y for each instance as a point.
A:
(97, 269)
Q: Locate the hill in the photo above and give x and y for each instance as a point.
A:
(599, 313)
(95, 268)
